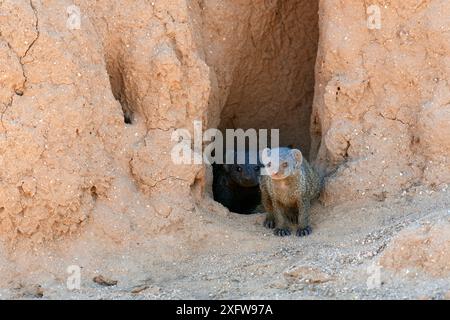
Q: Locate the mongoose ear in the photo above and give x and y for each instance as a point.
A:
(265, 156)
(297, 155)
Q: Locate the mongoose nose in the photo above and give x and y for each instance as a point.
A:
(277, 175)
(249, 181)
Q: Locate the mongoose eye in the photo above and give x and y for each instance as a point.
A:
(285, 165)
(238, 169)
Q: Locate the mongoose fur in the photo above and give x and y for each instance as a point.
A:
(287, 189)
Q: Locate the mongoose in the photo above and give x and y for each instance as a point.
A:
(236, 186)
(287, 188)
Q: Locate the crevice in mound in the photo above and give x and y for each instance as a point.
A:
(94, 193)
(116, 78)
(273, 84)
(36, 27)
(20, 91)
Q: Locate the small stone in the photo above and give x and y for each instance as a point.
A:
(103, 281)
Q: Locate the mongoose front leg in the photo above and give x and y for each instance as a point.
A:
(282, 224)
(269, 222)
(304, 228)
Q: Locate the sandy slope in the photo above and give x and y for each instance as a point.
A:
(237, 258)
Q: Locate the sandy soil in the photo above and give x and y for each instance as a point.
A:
(239, 259)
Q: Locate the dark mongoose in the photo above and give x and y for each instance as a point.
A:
(236, 186)
(288, 186)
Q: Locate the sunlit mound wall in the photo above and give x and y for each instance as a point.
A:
(91, 93)
(381, 115)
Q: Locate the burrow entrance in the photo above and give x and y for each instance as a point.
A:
(273, 84)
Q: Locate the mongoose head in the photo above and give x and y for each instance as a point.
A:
(244, 174)
(280, 163)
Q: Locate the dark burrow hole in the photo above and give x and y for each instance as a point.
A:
(116, 79)
(273, 88)
(94, 193)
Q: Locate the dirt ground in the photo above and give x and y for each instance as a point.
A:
(238, 259)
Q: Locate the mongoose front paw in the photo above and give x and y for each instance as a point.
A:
(302, 232)
(282, 232)
(269, 223)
